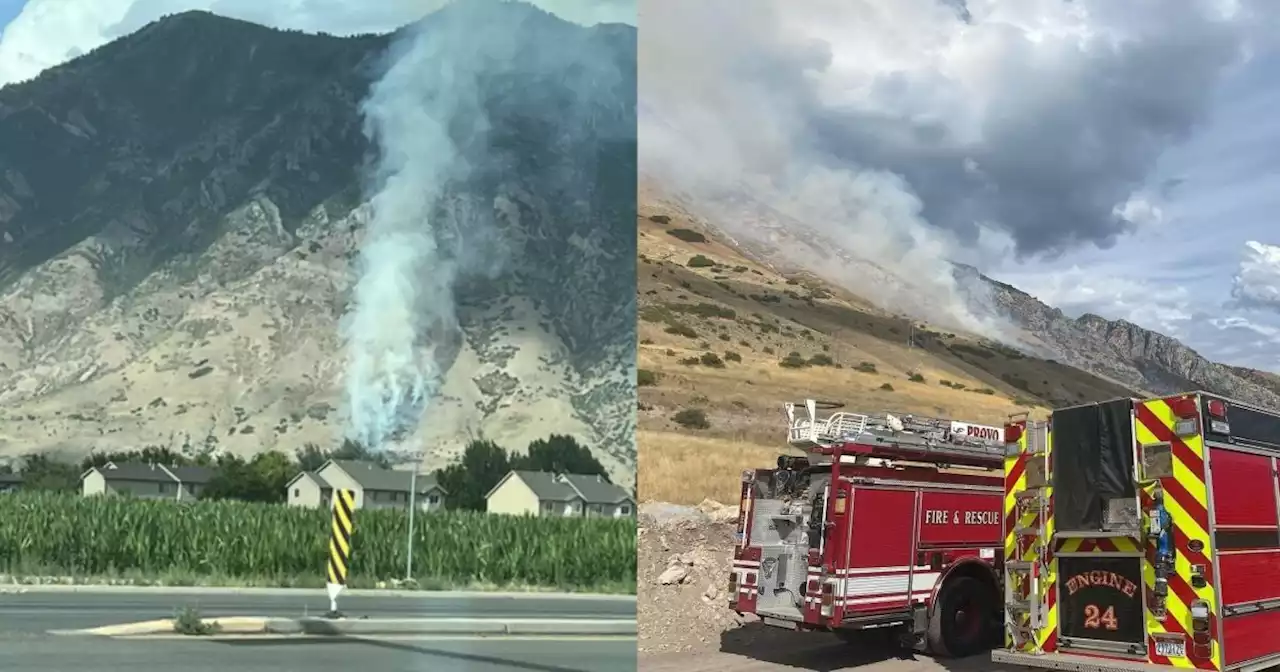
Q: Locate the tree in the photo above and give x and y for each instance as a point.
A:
(41, 472)
(353, 450)
(311, 457)
(483, 464)
(148, 455)
(262, 479)
(562, 455)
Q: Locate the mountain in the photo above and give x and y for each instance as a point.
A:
(1126, 352)
(180, 211)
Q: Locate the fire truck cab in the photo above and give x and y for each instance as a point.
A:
(1143, 535)
(887, 531)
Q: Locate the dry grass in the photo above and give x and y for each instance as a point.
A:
(684, 469)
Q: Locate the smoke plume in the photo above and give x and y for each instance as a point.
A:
(419, 115)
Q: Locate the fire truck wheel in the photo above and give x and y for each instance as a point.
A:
(961, 624)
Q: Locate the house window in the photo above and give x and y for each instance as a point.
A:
(434, 499)
(166, 488)
(297, 492)
(625, 509)
(548, 507)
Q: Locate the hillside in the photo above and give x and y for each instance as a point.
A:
(702, 291)
(180, 211)
(700, 294)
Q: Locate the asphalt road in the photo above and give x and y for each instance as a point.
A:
(39, 611)
(42, 653)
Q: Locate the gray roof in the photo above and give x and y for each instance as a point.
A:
(596, 490)
(192, 474)
(154, 473)
(135, 471)
(370, 476)
(564, 487)
(315, 476)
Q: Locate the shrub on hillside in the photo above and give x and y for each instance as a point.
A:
(793, 360)
(691, 418)
(687, 235)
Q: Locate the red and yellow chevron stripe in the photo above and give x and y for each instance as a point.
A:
(1185, 498)
(1025, 547)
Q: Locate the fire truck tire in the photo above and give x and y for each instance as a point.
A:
(962, 623)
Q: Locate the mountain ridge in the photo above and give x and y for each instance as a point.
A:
(1141, 359)
(180, 210)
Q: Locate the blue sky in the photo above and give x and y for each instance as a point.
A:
(8, 10)
(1107, 157)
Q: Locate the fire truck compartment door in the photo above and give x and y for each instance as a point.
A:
(1100, 599)
(1093, 453)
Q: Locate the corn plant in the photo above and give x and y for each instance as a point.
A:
(112, 535)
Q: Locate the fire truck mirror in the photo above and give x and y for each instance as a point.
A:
(1100, 599)
(1036, 473)
(1157, 461)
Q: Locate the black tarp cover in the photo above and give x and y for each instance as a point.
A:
(1092, 462)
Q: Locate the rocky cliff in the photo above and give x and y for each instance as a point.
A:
(1123, 351)
(180, 208)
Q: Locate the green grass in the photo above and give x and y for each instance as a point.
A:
(239, 543)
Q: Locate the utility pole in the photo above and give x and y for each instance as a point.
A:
(415, 457)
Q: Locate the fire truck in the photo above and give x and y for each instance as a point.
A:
(1143, 535)
(885, 532)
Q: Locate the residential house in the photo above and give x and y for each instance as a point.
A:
(548, 494)
(10, 482)
(148, 480)
(375, 487)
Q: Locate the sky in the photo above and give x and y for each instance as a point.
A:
(38, 34)
(1121, 159)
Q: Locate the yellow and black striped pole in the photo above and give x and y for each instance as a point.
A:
(344, 505)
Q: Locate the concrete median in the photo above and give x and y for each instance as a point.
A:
(371, 627)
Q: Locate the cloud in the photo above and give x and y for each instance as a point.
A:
(1256, 283)
(1036, 119)
(49, 32)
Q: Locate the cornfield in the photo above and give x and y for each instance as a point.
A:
(108, 535)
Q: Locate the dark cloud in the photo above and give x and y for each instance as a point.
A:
(1044, 144)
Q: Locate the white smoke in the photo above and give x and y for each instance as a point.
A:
(403, 312)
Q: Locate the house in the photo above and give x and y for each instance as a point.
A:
(148, 480)
(10, 482)
(375, 487)
(548, 494)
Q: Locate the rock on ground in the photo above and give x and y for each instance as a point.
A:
(683, 562)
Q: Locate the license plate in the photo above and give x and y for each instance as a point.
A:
(1171, 648)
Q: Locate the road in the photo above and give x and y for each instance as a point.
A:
(27, 646)
(42, 653)
(39, 611)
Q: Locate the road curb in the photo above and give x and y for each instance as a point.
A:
(323, 627)
(363, 592)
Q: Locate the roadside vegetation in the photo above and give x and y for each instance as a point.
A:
(254, 544)
(240, 533)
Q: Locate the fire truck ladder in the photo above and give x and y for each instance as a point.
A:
(1025, 606)
(892, 436)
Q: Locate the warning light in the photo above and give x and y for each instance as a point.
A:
(1217, 408)
(1184, 407)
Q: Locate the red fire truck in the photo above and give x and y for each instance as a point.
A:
(887, 529)
(1143, 535)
